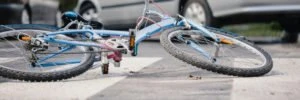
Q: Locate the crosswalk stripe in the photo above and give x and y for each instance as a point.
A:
(80, 87)
(9, 50)
(5, 60)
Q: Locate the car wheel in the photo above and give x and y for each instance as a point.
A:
(292, 31)
(290, 37)
(58, 20)
(198, 11)
(25, 18)
(89, 12)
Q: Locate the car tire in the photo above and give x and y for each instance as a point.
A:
(88, 11)
(58, 19)
(292, 31)
(199, 11)
(290, 37)
(25, 17)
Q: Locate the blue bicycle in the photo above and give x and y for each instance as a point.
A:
(45, 53)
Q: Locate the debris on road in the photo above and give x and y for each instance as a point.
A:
(195, 77)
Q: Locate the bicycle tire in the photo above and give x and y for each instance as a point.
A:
(197, 61)
(43, 76)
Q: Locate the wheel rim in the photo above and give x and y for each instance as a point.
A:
(25, 17)
(239, 55)
(196, 12)
(90, 14)
(15, 57)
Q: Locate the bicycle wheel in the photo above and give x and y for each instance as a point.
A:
(18, 60)
(234, 56)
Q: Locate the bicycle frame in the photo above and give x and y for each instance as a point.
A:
(147, 32)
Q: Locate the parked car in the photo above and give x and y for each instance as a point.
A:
(120, 14)
(30, 12)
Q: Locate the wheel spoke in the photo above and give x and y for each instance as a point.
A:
(237, 58)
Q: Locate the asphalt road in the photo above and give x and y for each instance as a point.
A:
(155, 75)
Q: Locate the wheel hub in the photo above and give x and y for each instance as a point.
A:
(195, 12)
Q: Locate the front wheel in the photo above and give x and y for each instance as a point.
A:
(232, 56)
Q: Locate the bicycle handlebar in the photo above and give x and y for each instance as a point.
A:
(144, 14)
(146, 7)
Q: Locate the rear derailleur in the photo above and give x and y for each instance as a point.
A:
(35, 45)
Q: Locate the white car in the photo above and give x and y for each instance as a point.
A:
(29, 12)
(120, 14)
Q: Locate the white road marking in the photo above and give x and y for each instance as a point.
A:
(6, 60)
(9, 49)
(80, 87)
(282, 83)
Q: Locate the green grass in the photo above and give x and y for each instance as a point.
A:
(255, 29)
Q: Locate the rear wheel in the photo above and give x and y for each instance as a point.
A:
(50, 62)
(233, 57)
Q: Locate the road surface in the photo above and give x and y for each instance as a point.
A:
(155, 75)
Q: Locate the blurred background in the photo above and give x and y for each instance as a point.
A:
(265, 20)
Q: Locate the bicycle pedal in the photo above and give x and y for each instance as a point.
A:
(105, 68)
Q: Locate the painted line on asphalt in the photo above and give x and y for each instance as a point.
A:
(9, 50)
(6, 60)
(282, 83)
(81, 87)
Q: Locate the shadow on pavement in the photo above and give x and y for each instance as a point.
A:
(261, 42)
(2, 80)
